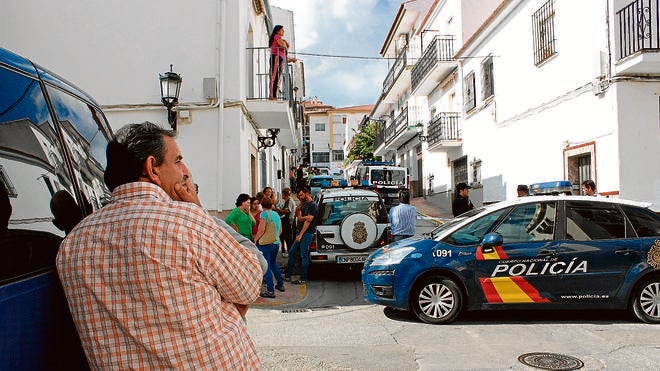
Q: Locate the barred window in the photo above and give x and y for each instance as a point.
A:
(319, 126)
(470, 100)
(543, 30)
(320, 157)
(337, 155)
(487, 87)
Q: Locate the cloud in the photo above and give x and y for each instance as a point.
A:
(342, 28)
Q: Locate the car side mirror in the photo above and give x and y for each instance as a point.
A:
(491, 240)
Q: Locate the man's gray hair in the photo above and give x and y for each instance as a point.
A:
(129, 149)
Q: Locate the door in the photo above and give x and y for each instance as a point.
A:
(523, 268)
(596, 253)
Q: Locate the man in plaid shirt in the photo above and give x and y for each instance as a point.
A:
(151, 280)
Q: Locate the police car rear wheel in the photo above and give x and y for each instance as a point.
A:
(646, 302)
(436, 300)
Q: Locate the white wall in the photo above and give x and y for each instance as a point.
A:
(115, 50)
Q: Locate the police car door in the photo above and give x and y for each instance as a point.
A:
(595, 255)
(519, 271)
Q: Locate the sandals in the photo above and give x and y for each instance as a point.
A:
(299, 282)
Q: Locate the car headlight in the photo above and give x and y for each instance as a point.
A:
(392, 256)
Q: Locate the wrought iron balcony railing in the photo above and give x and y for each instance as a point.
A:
(259, 77)
(441, 49)
(444, 127)
(398, 125)
(638, 27)
(394, 72)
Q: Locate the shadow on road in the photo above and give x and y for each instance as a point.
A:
(525, 317)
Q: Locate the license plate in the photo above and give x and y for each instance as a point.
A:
(351, 259)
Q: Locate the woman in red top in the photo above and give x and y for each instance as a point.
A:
(278, 53)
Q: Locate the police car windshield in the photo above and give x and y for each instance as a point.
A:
(453, 221)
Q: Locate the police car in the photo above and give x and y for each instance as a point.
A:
(540, 252)
(351, 223)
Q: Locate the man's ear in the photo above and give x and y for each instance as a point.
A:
(151, 171)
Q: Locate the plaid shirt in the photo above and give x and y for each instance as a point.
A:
(150, 284)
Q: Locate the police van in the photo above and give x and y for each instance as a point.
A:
(53, 138)
(385, 178)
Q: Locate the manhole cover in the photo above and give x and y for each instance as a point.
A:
(550, 361)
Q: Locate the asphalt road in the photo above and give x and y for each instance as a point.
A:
(332, 328)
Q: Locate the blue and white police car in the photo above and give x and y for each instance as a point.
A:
(540, 252)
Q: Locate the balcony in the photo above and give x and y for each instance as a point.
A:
(281, 113)
(638, 38)
(435, 64)
(398, 76)
(443, 130)
(395, 134)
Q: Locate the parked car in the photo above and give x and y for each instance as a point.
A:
(351, 223)
(317, 182)
(52, 155)
(540, 252)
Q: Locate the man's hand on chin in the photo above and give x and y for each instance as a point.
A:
(187, 192)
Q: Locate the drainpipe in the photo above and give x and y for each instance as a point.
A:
(219, 46)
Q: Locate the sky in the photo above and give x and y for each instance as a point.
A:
(355, 28)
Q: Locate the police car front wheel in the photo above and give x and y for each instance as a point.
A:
(436, 300)
(646, 302)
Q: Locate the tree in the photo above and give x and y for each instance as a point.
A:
(364, 141)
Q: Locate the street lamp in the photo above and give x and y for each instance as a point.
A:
(269, 139)
(170, 85)
(420, 132)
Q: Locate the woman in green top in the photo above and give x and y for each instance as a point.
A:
(240, 218)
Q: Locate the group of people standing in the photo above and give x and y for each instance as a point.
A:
(277, 225)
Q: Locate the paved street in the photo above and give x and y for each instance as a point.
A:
(326, 325)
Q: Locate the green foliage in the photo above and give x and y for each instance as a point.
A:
(364, 142)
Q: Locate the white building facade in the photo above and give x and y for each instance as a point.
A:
(541, 90)
(115, 51)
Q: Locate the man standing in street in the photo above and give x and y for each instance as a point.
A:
(589, 188)
(304, 236)
(461, 202)
(522, 190)
(151, 280)
(403, 217)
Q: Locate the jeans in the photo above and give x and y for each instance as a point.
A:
(270, 253)
(300, 248)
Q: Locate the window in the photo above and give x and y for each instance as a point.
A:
(474, 232)
(320, 157)
(337, 155)
(7, 184)
(487, 88)
(643, 220)
(319, 126)
(529, 222)
(470, 100)
(585, 223)
(543, 30)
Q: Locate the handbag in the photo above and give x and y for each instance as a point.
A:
(269, 235)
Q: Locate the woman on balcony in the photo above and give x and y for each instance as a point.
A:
(278, 52)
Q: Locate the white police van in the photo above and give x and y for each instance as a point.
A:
(384, 178)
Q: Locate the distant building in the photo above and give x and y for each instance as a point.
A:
(330, 131)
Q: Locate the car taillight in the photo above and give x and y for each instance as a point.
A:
(312, 245)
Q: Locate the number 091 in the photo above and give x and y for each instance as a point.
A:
(442, 253)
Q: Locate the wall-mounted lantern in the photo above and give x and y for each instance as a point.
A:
(170, 86)
(269, 139)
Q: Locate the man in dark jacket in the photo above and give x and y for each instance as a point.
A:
(461, 202)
